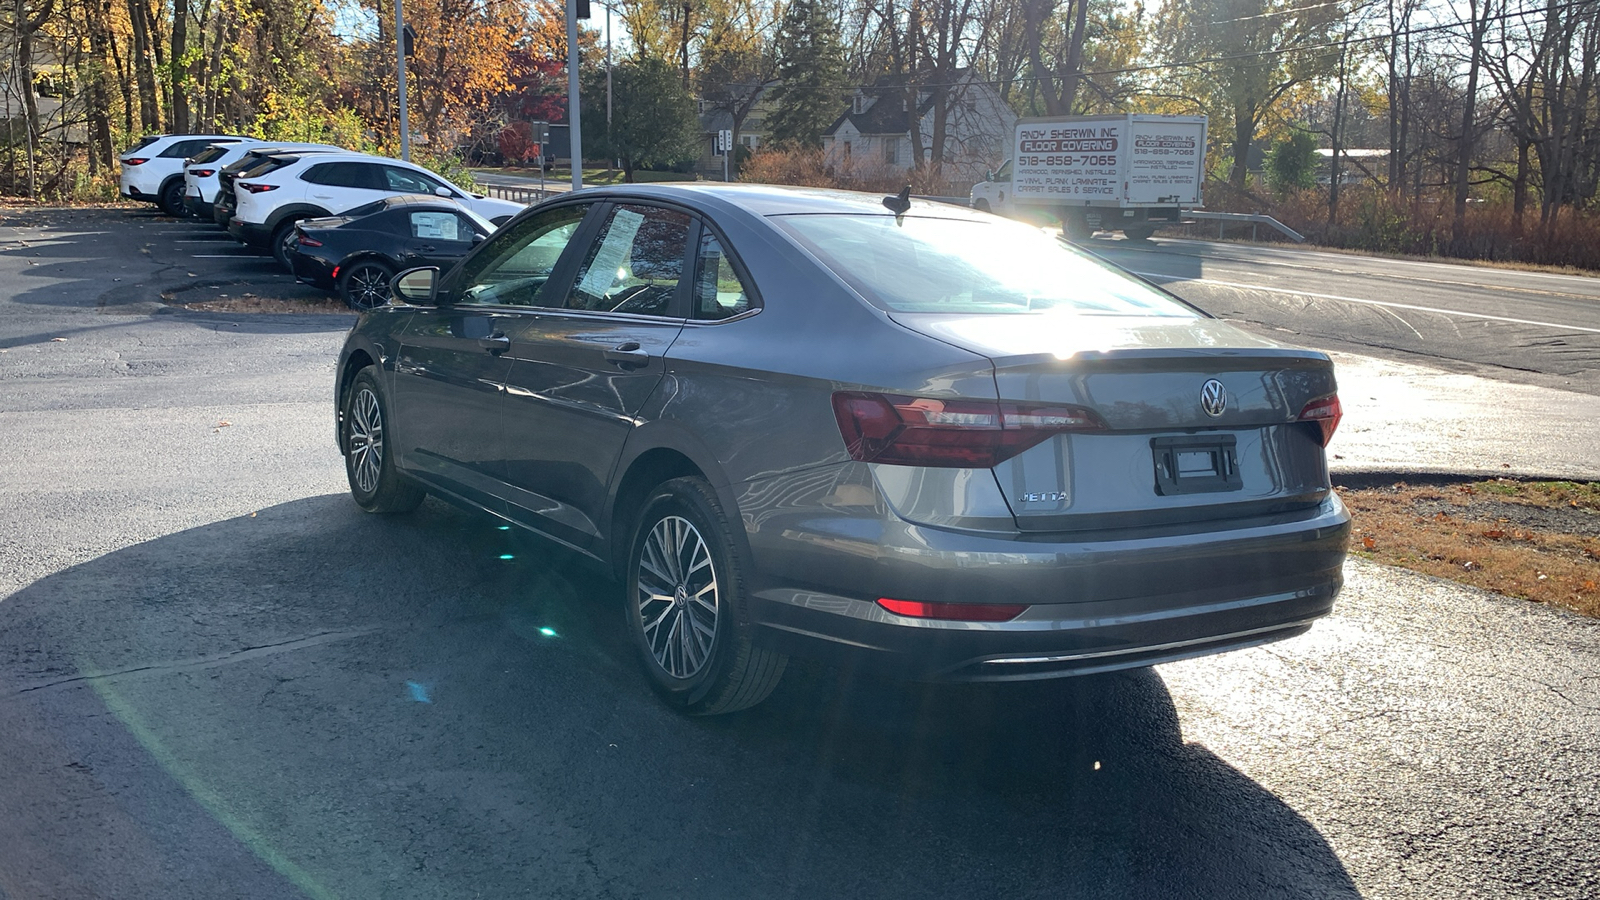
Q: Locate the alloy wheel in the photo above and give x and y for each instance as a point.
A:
(365, 440)
(367, 287)
(677, 597)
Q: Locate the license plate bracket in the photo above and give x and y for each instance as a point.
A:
(1196, 464)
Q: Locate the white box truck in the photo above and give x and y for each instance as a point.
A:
(1127, 173)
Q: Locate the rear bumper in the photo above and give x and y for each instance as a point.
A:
(250, 233)
(312, 270)
(1095, 604)
(197, 207)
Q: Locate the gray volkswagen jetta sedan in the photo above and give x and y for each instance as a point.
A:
(797, 422)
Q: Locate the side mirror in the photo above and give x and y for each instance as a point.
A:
(443, 192)
(988, 174)
(419, 287)
(478, 238)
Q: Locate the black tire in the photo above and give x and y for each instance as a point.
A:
(1139, 232)
(365, 284)
(1075, 226)
(981, 205)
(283, 244)
(724, 672)
(171, 198)
(374, 483)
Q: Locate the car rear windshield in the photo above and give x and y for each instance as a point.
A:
(966, 266)
(215, 151)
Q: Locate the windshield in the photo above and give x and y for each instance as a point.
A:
(967, 266)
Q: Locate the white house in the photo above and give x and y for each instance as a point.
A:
(874, 131)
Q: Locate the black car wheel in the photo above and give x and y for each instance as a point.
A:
(365, 285)
(374, 483)
(171, 198)
(684, 605)
(1139, 232)
(284, 242)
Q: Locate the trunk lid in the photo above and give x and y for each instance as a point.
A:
(1164, 458)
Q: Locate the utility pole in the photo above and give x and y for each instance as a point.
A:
(574, 126)
(400, 61)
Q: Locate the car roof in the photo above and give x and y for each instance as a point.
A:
(776, 200)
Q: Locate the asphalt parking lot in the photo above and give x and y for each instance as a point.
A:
(218, 678)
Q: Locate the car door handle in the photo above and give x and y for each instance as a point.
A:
(428, 248)
(628, 355)
(496, 343)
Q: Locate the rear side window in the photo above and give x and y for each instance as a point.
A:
(341, 174)
(143, 142)
(966, 266)
(718, 291)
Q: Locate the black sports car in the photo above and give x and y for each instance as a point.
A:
(358, 252)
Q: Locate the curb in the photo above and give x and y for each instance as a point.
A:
(1362, 479)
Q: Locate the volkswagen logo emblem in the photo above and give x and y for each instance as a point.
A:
(1213, 398)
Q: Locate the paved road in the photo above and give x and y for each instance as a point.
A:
(220, 679)
(1535, 327)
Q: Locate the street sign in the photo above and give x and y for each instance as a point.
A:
(724, 142)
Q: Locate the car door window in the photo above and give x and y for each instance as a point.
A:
(635, 264)
(515, 267)
(407, 181)
(433, 225)
(719, 293)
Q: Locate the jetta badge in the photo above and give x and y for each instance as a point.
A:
(1213, 398)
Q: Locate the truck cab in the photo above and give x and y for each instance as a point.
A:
(994, 195)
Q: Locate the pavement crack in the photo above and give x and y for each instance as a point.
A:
(199, 663)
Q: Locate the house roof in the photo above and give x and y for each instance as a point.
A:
(887, 114)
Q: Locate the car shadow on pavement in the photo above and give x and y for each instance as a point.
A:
(427, 706)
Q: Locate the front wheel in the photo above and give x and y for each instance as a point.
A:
(1139, 232)
(368, 462)
(365, 285)
(686, 606)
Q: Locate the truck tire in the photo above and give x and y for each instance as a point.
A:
(981, 205)
(1138, 232)
(1075, 226)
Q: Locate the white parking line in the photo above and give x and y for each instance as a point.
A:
(1431, 309)
(226, 256)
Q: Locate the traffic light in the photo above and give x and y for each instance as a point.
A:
(409, 45)
(583, 9)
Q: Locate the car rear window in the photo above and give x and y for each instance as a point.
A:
(966, 266)
(215, 151)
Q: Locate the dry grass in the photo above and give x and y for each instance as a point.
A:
(1537, 541)
(252, 304)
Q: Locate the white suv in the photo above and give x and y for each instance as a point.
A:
(152, 170)
(327, 184)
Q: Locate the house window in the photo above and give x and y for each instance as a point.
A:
(891, 150)
(749, 141)
(847, 151)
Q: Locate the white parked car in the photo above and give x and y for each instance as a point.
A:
(152, 170)
(200, 174)
(327, 184)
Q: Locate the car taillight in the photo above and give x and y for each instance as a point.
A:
(1326, 412)
(963, 434)
(258, 188)
(960, 612)
(202, 173)
(136, 161)
(307, 240)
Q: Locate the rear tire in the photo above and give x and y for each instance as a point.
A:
(685, 605)
(171, 199)
(365, 285)
(283, 244)
(375, 485)
(1075, 226)
(1139, 232)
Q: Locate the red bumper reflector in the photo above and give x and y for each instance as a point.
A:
(963, 612)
